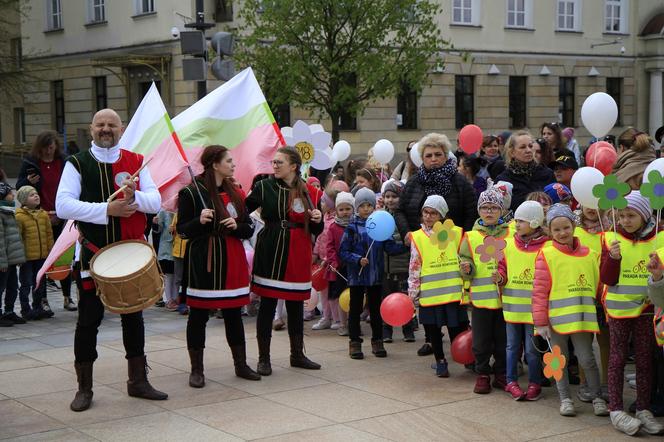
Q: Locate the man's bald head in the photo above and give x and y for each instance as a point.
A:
(106, 128)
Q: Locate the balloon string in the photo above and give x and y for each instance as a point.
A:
(365, 256)
(657, 219)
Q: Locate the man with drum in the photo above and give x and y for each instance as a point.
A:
(88, 179)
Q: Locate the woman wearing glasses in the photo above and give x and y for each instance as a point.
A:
(282, 258)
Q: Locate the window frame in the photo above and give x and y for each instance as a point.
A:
(460, 119)
(474, 11)
(139, 10)
(617, 97)
(19, 126)
(58, 96)
(407, 103)
(527, 14)
(623, 17)
(93, 7)
(576, 15)
(518, 104)
(567, 114)
(100, 96)
(53, 16)
(16, 51)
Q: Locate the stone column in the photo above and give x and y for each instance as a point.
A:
(656, 118)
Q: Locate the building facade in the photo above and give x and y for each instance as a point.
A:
(519, 63)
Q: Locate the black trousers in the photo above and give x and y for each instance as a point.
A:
(294, 309)
(489, 339)
(197, 321)
(374, 298)
(90, 314)
(436, 335)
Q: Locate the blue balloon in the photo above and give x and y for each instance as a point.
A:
(380, 225)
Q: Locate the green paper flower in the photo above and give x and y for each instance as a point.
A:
(654, 189)
(611, 193)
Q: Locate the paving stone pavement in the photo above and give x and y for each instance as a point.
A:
(397, 398)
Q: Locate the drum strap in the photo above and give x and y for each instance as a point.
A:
(88, 245)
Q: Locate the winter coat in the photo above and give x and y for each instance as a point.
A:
(542, 283)
(523, 186)
(165, 219)
(461, 201)
(354, 246)
(332, 247)
(656, 292)
(11, 246)
(36, 232)
(30, 162)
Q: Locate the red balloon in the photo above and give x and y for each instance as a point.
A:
(397, 309)
(470, 138)
(318, 280)
(604, 159)
(462, 348)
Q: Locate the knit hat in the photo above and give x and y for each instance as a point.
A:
(558, 192)
(568, 132)
(339, 186)
(532, 212)
(23, 194)
(640, 204)
(560, 210)
(364, 195)
(344, 198)
(438, 203)
(491, 196)
(313, 180)
(506, 189)
(5, 189)
(393, 186)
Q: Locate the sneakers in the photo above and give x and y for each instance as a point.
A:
(31, 315)
(172, 306)
(584, 394)
(425, 350)
(499, 382)
(69, 304)
(534, 392)
(342, 330)
(43, 314)
(45, 310)
(442, 370)
(567, 408)
(13, 317)
(322, 324)
(599, 407)
(6, 322)
(335, 325)
(409, 337)
(278, 324)
(183, 309)
(482, 384)
(648, 422)
(515, 391)
(388, 339)
(624, 422)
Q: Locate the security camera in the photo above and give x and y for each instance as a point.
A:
(622, 50)
(175, 32)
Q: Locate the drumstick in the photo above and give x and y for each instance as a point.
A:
(133, 178)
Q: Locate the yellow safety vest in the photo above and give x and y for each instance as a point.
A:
(658, 319)
(511, 228)
(574, 283)
(440, 279)
(629, 297)
(518, 292)
(483, 292)
(591, 240)
(179, 244)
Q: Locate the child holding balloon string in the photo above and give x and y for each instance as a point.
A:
(434, 277)
(364, 259)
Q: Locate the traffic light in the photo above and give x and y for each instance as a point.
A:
(223, 69)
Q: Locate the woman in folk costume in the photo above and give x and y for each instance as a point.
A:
(282, 259)
(214, 220)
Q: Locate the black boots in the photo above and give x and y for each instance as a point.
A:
(83, 398)
(138, 385)
(242, 370)
(264, 368)
(196, 377)
(297, 357)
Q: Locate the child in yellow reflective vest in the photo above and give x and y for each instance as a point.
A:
(434, 278)
(516, 272)
(487, 321)
(566, 285)
(624, 271)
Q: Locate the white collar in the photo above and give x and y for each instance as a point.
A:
(104, 154)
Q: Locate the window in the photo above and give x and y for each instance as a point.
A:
(143, 6)
(58, 105)
(614, 88)
(19, 125)
(347, 120)
(517, 102)
(282, 114)
(464, 100)
(101, 98)
(96, 11)
(569, 13)
(223, 11)
(615, 16)
(53, 15)
(407, 108)
(566, 101)
(0, 129)
(16, 52)
(519, 14)
(466, 12)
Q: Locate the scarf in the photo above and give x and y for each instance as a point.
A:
(343, 222)
(522, 169)
(437, 181)
(631, 163)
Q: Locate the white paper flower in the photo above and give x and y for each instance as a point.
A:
(311, 141)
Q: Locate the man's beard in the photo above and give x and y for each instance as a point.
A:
(107, 142)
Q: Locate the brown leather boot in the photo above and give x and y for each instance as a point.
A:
(297, 357)
(196, 377)
(138, 385)
(242, 370)
(264, 367)
(378, 349)
(83, 398)
(355, 350)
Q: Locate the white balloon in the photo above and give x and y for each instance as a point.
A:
(341, 150)
(383, 151)
(322, 159)
(582, 185)
(657, 165)
(599, 113)
(415, 155)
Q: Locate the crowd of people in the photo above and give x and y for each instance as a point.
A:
(567, 275)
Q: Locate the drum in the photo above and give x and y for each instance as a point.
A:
(127, 275)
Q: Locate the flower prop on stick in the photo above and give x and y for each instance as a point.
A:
(311, 142)
(554, 363)
(491, 248)
(611, 194)
(653, 189)
(442, 234)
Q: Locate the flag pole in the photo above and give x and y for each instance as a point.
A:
(198, 190)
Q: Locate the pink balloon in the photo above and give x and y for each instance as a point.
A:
(249, 253)
(604, 159)
(397, 309)
(470, 138)
(311, 303)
